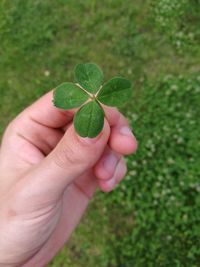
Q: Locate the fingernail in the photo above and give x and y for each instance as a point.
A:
(126, 131)
(110, 162)
(88, 140)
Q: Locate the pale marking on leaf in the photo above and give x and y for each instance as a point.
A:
(90, 94)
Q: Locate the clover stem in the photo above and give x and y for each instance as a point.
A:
(101, 105)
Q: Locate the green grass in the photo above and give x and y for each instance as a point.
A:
(153, 217)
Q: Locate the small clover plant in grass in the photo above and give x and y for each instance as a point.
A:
(89, 93)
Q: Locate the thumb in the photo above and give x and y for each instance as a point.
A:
(71, 157)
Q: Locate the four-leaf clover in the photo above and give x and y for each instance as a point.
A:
(89, 93)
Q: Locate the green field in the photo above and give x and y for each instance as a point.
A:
(153, 218)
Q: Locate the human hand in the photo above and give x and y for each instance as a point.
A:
(49, 174)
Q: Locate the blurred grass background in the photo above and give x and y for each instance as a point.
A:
(153, 218)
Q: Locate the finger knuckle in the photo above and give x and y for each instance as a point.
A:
(67, 156)
(11, 126)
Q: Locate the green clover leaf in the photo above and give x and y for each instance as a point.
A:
(87, 116)
(89, 93)
(115, 92)
(69, 95)
(89, 76)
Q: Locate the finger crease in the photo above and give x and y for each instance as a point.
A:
(29, 141)
(38, 122)
(82, 191)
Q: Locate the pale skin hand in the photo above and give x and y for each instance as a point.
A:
(48, 174)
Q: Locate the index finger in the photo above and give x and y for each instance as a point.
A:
(121, 138)
(44, 112)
